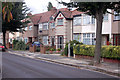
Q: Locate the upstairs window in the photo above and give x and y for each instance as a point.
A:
(45, 26)
(93, 20)
(52, 25)
(105, 17)
(25, 28)
(30, 27)
(86, 20)
(60, 22)
(40, 26)
(77, 21)
(116, 16)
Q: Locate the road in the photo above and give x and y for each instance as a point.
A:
(15, 66)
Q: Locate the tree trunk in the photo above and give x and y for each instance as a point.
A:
(99, 19)
(4, 38)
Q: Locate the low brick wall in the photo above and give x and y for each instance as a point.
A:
(43, 49)
(32, 48)
(8, 45)
(91, 58)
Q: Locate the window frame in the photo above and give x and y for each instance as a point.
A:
(59, 23)
(30, 27)
(45, 26)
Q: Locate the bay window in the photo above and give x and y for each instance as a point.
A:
(105, 17)
(86, 20)
(77, 21)
(116, 16)
(77, 37)
(88, 38)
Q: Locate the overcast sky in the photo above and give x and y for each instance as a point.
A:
(38, 6)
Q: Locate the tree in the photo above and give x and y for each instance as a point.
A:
(18, 11)
(50, 6)
(96, 9)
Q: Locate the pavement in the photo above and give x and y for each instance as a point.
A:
(107, 68)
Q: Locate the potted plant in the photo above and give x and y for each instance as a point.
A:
(58, 50)
(51, 50)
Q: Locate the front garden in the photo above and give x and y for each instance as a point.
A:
(109, 52)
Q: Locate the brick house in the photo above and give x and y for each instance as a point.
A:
(59, 26)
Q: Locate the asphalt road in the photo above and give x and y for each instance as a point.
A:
(21, 67)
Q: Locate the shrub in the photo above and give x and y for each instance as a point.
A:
(37, 49)
(58, 49)
(71, 46)
(20, 45)
(112, 52)
(14, 43)
(52, 49)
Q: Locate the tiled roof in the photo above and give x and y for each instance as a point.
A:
(44, 17)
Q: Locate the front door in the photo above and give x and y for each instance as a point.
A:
(60, 42)
(116, 39)
(53, 41)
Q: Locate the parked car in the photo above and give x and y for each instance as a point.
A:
(2, 48)
(36, 44)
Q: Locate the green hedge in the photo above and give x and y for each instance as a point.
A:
(112, 52)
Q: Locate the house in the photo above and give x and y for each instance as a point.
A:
(116, 30)
(59, 26)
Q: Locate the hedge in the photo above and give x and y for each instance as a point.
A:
(71, 46)
(111, 52)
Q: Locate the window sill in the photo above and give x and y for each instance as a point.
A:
(116, 20)
(60, 25)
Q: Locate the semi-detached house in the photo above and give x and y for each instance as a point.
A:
(59, 26)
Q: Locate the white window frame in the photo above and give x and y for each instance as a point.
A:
(86, 19)
(26, 28)
(45, 40)
(40, 26)
(116, 17)
(77, 37)
(105, 18)
(60, 21)
(30, 27)
(77, 21)
(52, 25)
(45, 26)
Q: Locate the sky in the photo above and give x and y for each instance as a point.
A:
(39, 6)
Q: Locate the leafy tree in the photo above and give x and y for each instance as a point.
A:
(50, 6)
(18, 11)
(96, 9)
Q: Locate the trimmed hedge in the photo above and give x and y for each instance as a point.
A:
(111, 52)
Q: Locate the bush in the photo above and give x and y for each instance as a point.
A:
(27, 46)
(112, 52)
(58, 49)
(14, 43)
(38, 49)
(52, 49)
(20, 45)
(71, 46)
